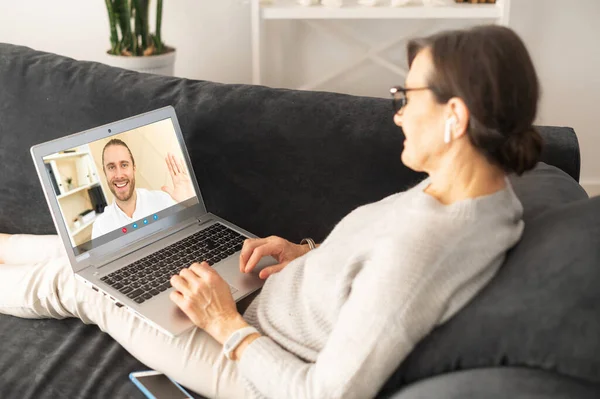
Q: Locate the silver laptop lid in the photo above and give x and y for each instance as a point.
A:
(84, 180)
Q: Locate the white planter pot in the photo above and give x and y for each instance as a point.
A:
(163, 64)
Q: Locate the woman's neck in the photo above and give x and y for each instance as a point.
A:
(467, 176)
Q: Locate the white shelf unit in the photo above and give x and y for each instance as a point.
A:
(459, 10)
(80, 167)
(497, 12)
(84, 226)
(78, 189)
(66, 155)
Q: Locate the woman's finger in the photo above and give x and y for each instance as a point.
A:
(185, 305)
(177, 297)
(268, 271)
(247, 249)
(194, 281)
(202, 270)
(181, 285)
(268, 248)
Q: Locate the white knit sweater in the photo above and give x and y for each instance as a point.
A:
(339, 320)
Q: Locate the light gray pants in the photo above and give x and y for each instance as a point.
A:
(36, 281)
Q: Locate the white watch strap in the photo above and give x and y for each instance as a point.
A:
(235, 339)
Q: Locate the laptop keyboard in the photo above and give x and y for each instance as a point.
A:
(150, 276)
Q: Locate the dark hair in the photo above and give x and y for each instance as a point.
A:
(116, 142)
(489, 68)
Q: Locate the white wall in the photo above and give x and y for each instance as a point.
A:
(211, 36)
(213, 42)
(563, 38)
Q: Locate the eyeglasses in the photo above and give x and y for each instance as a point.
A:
(399, 96)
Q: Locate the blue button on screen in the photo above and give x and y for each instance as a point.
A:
(135, 225)
(145, 222)
(155, 217)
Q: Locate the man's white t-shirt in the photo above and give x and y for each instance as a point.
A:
(147, 203)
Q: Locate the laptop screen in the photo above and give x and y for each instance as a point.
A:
(120, 184)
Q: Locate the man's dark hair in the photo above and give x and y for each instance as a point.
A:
(117, 142)
(489, 68)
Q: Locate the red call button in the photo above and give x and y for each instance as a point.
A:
(124, 229)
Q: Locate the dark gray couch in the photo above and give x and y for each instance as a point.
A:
(293, 163)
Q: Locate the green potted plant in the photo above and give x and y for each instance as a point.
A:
(69, 183)
(132, 44)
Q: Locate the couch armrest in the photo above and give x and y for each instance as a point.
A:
(500, 383)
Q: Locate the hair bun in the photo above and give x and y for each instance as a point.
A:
(521, 151)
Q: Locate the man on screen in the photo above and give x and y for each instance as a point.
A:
(132, 203)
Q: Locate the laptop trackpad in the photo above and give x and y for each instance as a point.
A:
(164, 313)
(229, 269)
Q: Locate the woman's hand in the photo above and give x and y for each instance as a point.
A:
(183, 187)
(282, 250)
(203, 295)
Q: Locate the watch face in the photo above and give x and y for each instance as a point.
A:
(235, 339)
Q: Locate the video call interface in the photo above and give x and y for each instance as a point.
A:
(120, 184)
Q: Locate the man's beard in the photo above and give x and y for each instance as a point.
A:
(121, 195)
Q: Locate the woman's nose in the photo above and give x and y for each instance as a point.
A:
(398, 118)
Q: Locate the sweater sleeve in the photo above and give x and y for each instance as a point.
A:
(370, 337)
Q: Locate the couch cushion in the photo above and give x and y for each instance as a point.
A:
(56, 349)
(500, 383)
(49, 359)
(541, 310)
(545, 187)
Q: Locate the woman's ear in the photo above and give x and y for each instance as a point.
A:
(459, 111)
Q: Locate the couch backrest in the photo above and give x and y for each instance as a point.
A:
(283, 162)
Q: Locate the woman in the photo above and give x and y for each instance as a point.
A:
(337, 320)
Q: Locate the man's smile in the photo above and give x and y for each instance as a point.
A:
(123, 188)
(121, 184)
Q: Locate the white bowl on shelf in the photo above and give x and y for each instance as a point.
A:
(438, 3)
(332, 3)
(401, 3)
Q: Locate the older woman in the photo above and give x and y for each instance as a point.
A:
(335, 320)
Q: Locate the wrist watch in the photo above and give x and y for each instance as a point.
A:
(235, 339)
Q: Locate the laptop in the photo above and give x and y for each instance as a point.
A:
(128, 208)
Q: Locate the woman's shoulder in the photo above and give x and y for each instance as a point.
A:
(500, 204)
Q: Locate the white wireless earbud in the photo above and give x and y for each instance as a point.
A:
(450, 122)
